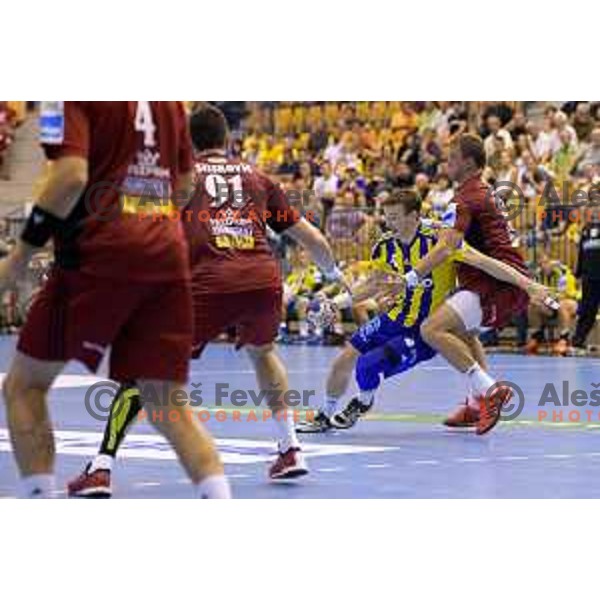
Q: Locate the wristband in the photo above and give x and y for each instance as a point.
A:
(40, 227)
(412, 279)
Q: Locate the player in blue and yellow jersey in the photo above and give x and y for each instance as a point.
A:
(391, 343)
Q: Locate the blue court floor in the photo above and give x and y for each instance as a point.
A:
(401, 451)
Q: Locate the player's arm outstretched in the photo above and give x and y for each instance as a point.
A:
(539, 294)
(309, 237)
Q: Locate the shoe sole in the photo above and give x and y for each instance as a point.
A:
(459, 425)
(301, 429)
(341, 426)
(92, 493)
(292, 473)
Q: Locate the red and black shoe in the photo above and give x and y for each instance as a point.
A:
(91, 484)
(490, 408)
(463, 416)
(289, 465)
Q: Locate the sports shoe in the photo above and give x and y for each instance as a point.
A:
(561, 348)
(464, 415)
(347, 418)
(320, 424)
(289, 465)
(490, 408)
(91, 484)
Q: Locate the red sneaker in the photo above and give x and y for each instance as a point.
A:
(490, 408)
(464, 415)
(288, 465)
(91, 484)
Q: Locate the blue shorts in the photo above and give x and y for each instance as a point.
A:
(382, 332)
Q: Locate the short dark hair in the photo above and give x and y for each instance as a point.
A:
(471, 146)
(208, 128)
(407, 197)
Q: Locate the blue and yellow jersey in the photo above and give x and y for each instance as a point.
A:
(416, 304)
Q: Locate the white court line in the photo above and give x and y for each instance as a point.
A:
(424, 462)
(331, 470)
(470, 460)
(155, 447)
(146, 484)
(513, 458)
(378, 466)
(558, 456)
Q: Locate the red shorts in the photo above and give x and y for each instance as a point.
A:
(500, 303)
(147, 325)
(254, 314)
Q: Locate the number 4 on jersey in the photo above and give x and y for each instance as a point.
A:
(144, 122)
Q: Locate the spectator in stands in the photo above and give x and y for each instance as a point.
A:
(317, 142)
(347, 226)
(497, 134)
(557, 277)
(506, 169)
(547, 141)
(7, 125)
(590, 156)
(561, 123)
(517, 127)
(583, 122)
(404, 122)
(565, 157)
(326, 188)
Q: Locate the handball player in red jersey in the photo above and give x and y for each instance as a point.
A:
(481, 301)
(236, 283)
(119, 281)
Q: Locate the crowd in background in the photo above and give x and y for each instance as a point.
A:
(342, 158)
(8, 126)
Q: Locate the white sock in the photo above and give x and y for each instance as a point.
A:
(480, 381)
(330, 407)
(287, 430)
(38, 486)
(102, 462)
(366, 398)
(214, 487)
(471, 395)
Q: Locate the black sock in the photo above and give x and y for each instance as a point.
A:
(123, 411)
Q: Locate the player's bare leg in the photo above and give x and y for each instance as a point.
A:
(567, 315)
(192, 443)
(536, 322)
(444, 331)
(466, 413)
(272, 378)
(25, 392)
(338, 380)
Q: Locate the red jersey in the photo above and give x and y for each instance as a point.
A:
(485, 229)
(136, 153)
(226, 226)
